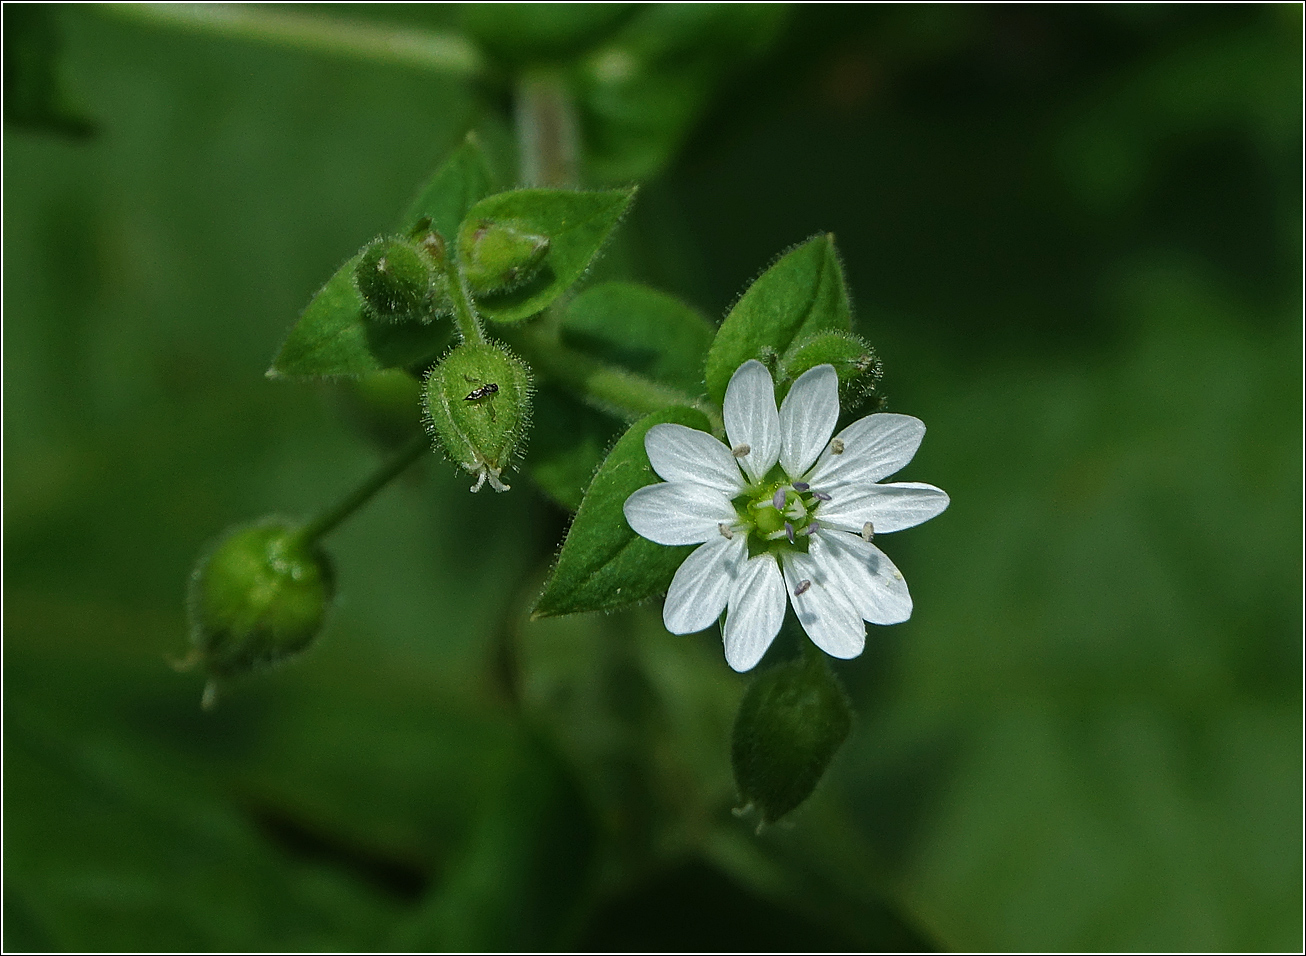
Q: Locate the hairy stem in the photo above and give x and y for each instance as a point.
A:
(464, 313)
(327, 520)
(445, 53)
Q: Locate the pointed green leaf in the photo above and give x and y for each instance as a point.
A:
(603, 564)
(576, 223)
(457, 186)
(333, 338)
(642, 329)
(803, 293)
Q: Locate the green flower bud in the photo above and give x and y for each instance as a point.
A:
(499, 256)
(790, 723)
(856, 363)
(259, 596)
(478, 404)
(403, 280)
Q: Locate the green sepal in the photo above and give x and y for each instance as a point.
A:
(477, 402)
(603, 564)
(859, 368)
(801, 295)
(259, 596)
(335, 338)
(641, 329)
(792, 720)
(577, 224)
(398, 281)
(499, 256)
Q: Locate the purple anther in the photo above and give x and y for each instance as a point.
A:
(820, 496)
(803, 585)
(778, 499)
(812, 528)
(801, 486)
(789, 532)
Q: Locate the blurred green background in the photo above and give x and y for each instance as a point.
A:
(1074, 233)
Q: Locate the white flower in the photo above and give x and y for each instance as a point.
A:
(785, 510)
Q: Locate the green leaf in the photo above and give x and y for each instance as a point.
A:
(333, 338)
(645, 330)
(576, 223)
(463, 181)
(603, 564)
(567, 445)
(803, 293)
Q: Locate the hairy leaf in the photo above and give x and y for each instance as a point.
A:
(603, 563)
(576, 223)
(803, 293)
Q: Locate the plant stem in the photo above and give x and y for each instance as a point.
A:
(616, 390)
(546, 130)
(445, 53)
(464, 313)
(328, 519)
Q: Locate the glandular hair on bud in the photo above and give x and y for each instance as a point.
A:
(257, 597)
(499, 255)
(855, 361)
(477, 401)
(792, 720)
(402, 279)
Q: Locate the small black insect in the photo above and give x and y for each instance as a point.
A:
(484, 391)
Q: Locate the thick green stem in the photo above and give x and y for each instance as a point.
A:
(626, 394)
(444, 53)
(547, 134)
(328, 519)
(464, 313)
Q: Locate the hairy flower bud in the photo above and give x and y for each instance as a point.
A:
(403, 279)
(478, 404)
(792, 720)
(259, 596)
(499, 256)
(856, 363)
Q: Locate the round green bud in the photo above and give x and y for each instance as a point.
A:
(856, 363)
(478, 405)
(790, 723)
(259, 596)
(395, 277)
(499, 256)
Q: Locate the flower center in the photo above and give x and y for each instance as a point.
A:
(777, 515)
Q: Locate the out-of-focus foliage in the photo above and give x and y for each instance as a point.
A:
(1073, 236)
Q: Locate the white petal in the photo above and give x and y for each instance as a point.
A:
(891, 507)
(703, 583)
(807, 418)
(868, 578)
(678, 512)
(824, 611)
(874, 447)
(757, 609)
(678, 453)
(751, 418)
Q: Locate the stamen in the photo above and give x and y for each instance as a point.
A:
(868, 531)
(802, 486)
(789, 532)
(725, 530)
(741, 450)
(812, 528)
(778, 499)
(803, 585)
(836, 446)
(820, 496)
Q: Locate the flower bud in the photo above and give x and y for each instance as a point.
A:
(478, 403)
(499, 256)
(790, 723)
(403, 280)
(258, 597)
(856, 363)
